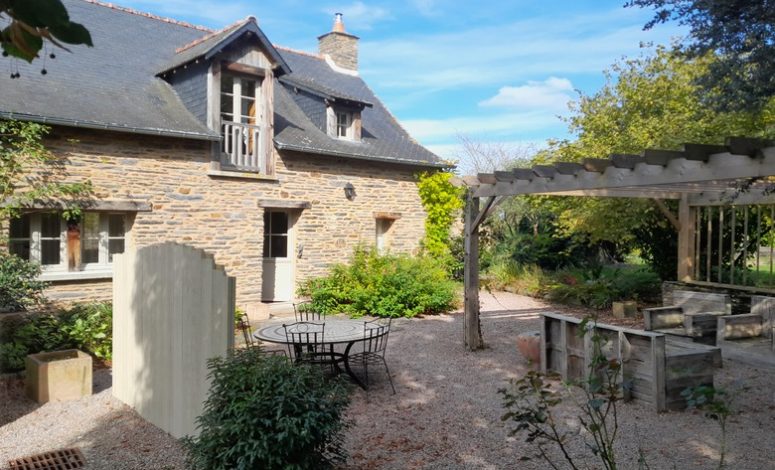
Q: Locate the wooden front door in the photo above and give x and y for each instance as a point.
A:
(278, 264)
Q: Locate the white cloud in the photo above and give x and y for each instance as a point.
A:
(358, 15)
(552, 94)
(500, 53)
(425, 7)
(445, 130)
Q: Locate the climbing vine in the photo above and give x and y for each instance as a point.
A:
(442, 202)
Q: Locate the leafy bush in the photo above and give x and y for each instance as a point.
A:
(88, 327)
(264, 412)
(442, 202)
(383, 286)
(19, 287)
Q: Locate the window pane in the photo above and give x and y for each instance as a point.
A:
(50, 225)
(90, 238)
(249, 88)
(49, 252)
(279, 223)
(20, 227)
(248, 111)
(227, 83)
(227, 105)
(116, 225)
(279, 246)
(20, 249)
(115, 246)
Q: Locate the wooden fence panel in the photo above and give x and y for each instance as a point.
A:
(172, 310)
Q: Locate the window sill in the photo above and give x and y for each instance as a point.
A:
(75, 275)
(240, 175)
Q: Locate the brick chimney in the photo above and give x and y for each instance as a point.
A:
(340, 46)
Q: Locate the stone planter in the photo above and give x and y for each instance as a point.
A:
(59, 375)
(529, 344)
(626, 309)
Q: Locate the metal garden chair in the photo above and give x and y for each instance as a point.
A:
(306, 343)
(250, 342)
(374, 346)
(303, 311)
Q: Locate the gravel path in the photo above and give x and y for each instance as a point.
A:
(446, 414)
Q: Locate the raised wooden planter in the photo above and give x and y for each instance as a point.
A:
(625, 309)
(59, 375)
(652, 370)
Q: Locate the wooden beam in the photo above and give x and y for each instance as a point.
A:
(747, 146)
(243, 68)
(387, 215)
(686, 217)
(484, 212)
(568, 168)
(679, 171)
(660, 157)
(732, 198)
(545, 171)
(624, 192)
(667, 213)
(626, 160)
(472, 326)
(96, 205)
(523, 174)
(701, 152)
(486, 178)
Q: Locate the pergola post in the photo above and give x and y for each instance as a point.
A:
(686, 239)
(473, 331)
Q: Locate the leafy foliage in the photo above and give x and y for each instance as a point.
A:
(383, 286)
(32, 21)
(88, 327)
(739, 33)
(21, 152)
(442, 202)
(716, 405)
(264, 412)
(19, 286)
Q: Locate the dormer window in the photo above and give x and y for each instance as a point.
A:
(242, 123)
(344, 123)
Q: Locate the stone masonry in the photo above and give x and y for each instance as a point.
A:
(342, 47)
(222, 215)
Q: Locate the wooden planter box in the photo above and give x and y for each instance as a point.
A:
(625, 309)
(59, 375)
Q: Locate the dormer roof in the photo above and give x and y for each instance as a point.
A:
(206, 47)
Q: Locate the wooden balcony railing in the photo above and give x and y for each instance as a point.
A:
(241, 147)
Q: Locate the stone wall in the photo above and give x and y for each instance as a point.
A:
(342, 47)
(222, 215)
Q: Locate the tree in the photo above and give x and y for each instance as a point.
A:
(29, 172)
(33, 21)
(741, 34)
(647, 102)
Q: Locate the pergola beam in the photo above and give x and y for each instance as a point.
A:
(678, 171)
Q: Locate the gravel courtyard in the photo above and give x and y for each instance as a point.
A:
(446, 413)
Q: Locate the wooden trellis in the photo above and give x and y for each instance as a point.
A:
(703, 179)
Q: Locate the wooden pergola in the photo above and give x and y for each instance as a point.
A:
(699, 176)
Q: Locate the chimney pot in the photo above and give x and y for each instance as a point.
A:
(338, 23)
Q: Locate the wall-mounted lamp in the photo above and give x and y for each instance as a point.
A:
(349, 191)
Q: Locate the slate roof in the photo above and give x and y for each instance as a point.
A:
(115, 86)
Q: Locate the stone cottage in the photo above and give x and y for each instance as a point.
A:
(279, 162)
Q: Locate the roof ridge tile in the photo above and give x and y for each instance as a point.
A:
(148, 15)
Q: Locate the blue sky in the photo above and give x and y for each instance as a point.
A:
(495, 71)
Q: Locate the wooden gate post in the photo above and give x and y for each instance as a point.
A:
(686, 241)
(473, 330)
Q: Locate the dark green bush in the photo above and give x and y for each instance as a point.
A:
(383, 286)
(88, 327)
(19, 287)
(264, 412)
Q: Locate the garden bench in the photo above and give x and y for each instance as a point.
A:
(693, 315)
(653, 369)
(750, 337)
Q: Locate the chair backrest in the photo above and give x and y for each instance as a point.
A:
(247, 330)
(303, 311)
(304, 335)
(375, 335)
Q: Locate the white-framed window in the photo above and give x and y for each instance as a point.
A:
(240, 98)
(275, 234)
(86, 244)
(344, 125)
(383, 226)
(241, 120)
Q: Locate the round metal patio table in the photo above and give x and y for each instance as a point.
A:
(336, 331)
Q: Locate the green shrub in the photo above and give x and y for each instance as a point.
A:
(264, 412)
(383, 286)
(19, 287)
(88, 327)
